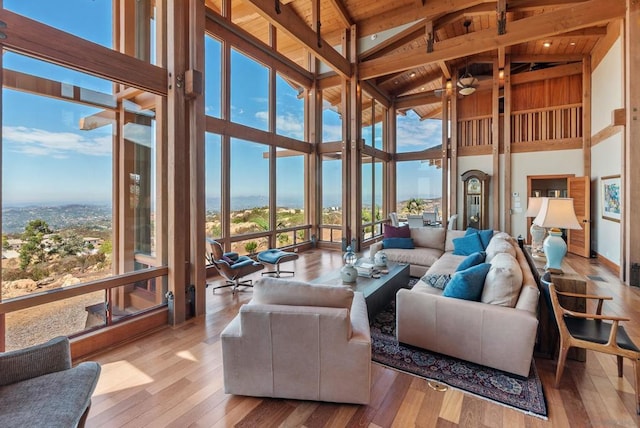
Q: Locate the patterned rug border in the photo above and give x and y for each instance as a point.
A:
(543, 416)
(385, 347)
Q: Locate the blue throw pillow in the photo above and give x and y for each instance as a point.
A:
(467, 284)
(467, 245)
(472, 260)
(485, 235)
(406, 243)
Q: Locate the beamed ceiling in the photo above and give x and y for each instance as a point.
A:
(397, 60)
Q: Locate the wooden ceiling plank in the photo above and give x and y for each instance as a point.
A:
(380, 96)
(546, 58)
(587, 14)
(445, 69)
(290, 23)
(459, 15)
(343, 13)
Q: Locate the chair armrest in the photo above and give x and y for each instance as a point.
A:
(593, 316)
(38, 360)
(232, 255)
(242, 264)
(586, 296)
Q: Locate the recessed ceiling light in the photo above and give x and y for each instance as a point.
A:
(422, 89)
(572, 43)
(374, 36)
(412, 74)
(395, 82)
(546, 44)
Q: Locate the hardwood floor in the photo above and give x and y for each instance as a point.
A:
(174, 378)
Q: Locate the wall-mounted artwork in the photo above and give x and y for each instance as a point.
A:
(611, 198)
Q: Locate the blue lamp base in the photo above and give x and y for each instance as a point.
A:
(555, 249)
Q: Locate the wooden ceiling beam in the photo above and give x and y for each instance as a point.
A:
(343, 13)
(459, 15)
(546, 58)
(587, 14)
(546, 73)
(329, 80)
(381, 96)
(446, 72)
(291, 24)
(410, 101)
(418, 82)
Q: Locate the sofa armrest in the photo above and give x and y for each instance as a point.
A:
(38, 360)
(360, 330)
(374, 248)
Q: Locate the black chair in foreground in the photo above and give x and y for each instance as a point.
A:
(231, 266)
(591, 331)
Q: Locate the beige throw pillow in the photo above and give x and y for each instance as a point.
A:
(278, 291)
(429, 237)
(499, 245)
(503, 282)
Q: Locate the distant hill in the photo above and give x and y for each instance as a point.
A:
(86, 216)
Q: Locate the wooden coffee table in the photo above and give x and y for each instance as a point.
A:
(378, 292)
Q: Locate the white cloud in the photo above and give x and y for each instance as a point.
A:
(39, 142)
(418, 135)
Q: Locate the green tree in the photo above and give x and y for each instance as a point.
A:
(414, 206)
(106, 247)
(5, 242)
(33, 249)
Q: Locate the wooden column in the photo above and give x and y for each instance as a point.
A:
(353, 228)
(586, 114)
(453, 151)
(631, 181)
(391, 167)
(194, 88)
(179, 233)
(444, 203)
(495, 150)
(506, 138)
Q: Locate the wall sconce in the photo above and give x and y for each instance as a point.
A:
(501, 73)
(448, 85)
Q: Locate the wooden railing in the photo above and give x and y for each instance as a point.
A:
(548, 124)
(475, 131)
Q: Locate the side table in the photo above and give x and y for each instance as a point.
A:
(569, 281)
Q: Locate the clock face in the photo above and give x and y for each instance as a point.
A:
(473, 185)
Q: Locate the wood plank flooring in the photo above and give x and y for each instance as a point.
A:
(174, 378)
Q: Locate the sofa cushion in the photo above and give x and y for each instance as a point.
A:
(472, 260)
(467, 245)
(503, 282)
(397, 231)
(429, 237)
(406, 243)
(467, 284)
(451, 235)
(499, 245)
(418, 256)
(278, 291)
(485, 235)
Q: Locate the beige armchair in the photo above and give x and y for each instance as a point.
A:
(300, 341)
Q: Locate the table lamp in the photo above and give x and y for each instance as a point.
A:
(537, 232)
(556, 213)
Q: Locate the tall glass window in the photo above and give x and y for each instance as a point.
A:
(331, 198)
(414, 135)
(419, 188)
(249, 96)
(290, 196)
(249, 190)
(213, 185)
(331, 123)
(289, 109)
(213, 77)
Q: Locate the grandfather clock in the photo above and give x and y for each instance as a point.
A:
(476, 199)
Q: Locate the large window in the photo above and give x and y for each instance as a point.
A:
(213, 80)
(419, 187)
(413, 134)
(289, 109)
(372, 191)
(249, 91)
(331, 123)
(290, 197)
(213, 185)
(71, 176)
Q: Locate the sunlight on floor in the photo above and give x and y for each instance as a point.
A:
(187, 355)
(120, 375)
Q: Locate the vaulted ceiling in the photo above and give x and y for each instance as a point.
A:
(408, 49)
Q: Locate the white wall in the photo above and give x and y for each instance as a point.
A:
(539, 163)
(607, 88)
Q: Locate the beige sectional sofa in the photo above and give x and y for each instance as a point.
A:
(430, 244)
(499, 331)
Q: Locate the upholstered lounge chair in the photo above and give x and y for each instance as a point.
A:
(39, 388)
(300, 341)
(231, 266)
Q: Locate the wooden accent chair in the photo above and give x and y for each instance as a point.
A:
(591, 331)
(231, 266)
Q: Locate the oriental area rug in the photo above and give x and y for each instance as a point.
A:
(525, 395)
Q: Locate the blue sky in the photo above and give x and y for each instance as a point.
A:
(47, 159)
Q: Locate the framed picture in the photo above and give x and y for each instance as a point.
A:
(611, 198)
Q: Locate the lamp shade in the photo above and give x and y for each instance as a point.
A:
(557, 212)
(533, 206)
